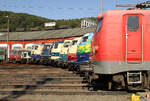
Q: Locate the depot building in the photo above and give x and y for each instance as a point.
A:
(19, 40)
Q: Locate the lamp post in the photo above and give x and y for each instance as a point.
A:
(8, 37)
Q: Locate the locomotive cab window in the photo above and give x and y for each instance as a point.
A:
(29, 47)
(85, 39)
(46, 47)
(66, 44)
(56, 45)
(99, 25)
(133, 23)
(74, 42)
(36, 47)
(32, 47)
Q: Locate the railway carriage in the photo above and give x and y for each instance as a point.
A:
(121, 48)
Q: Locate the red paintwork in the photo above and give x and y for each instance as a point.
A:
(110, 42)
(72, 57)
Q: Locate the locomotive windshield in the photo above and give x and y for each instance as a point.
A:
(85, 39)
(32, 47)
(99, 25)
(46, 47)
(29, 47)
(36, 47)
(74, 42)
(66, 44)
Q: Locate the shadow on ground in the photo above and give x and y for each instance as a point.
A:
(16, 94)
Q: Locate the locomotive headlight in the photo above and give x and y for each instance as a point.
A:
(96, 48)
(96, 77)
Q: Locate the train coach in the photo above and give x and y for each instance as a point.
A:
(121, 48)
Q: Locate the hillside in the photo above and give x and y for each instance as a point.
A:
(27, 22)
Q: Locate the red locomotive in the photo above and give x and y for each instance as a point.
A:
(15, 55)
(121, 48)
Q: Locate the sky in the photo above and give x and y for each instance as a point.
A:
(62, 9)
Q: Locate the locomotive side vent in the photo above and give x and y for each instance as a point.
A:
(134, 77)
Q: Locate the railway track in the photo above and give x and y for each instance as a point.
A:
(23, 66)
(16, 79)
(64, 92)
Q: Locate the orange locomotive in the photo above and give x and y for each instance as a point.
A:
(121, 48)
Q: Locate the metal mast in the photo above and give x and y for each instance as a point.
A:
(101, 6)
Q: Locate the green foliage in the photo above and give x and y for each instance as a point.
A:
(26, 21)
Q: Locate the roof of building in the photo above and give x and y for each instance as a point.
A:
(89, 20)
(51, 34)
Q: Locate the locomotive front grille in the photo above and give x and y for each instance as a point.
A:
(134, 77)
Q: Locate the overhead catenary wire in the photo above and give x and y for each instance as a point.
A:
(48, 7)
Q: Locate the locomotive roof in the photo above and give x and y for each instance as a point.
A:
(51, 34)
(130, 11)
